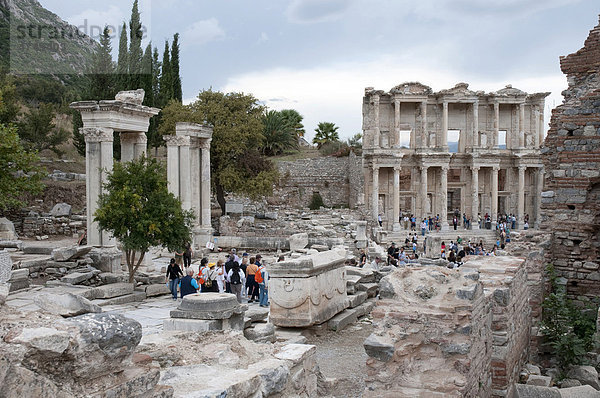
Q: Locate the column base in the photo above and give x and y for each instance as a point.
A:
(396, 227)
(474, 226)
(202, 235)
(445, 226)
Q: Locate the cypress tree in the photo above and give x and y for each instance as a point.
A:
(156, 64)
(177, 92)
(166, 82)
(135, 48)
(146, 76)
(122, 61)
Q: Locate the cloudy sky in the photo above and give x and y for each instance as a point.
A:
(317, 56)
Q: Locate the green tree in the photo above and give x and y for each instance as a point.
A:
(38, 131)
(78, 138)
(236, 163)
(279, 133)
(102, 84)
(9, 108)
(156, 65)
(294, 119)
(326, 132)
(20, 172)
(123, 61)
(135, 48)
(177, 92)
(138, 210)
(166, 81)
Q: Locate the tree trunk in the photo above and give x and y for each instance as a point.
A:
(220, 196)
(132, 265)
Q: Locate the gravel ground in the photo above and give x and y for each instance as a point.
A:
(341, 355)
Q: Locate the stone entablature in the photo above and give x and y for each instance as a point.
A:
(307, 291)
(492, 167)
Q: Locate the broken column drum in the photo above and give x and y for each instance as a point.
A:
(207, 311)
(126, 115)
(307, 291)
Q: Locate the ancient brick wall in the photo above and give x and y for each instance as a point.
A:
(335, 179)
(571, 200)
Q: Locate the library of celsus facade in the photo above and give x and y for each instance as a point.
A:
(428, 153)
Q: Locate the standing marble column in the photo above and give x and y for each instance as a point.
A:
(496, 122)
(376, 139)
(475, 197)
(174, 142)
(444, 198)
(536, 125)
(205, 185)
(423, 190)
(494, 211)
(423, 139)
(444, 137)
(98, 163)
(475, 130)
(397, 122)
(375, 193)
(521, 197)
(185, 176)
(133, 145)
(538, 196)
(195, 181)
(396, 224)
(541, 124)
(521, 126)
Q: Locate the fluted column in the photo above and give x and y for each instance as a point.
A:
(536, 125)
(444, 198)
(475, 130)
(205, 184)
(98, 163)
(475, 197)
(521, 197)
(396, 224)
(538, 196)
(376, 140)
(521, 125)
(444, 138)
(424, 198)
(541, 125)
(423, 139)
(375, 193)
(397, 122)
(494, 211)
(496, 122)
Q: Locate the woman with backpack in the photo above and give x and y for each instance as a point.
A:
(237, 281)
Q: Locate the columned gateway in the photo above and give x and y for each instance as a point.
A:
(188, 171)
(125, 115)
(454, 151)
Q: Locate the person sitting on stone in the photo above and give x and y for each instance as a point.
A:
(188, 284)
(376, 264)
(362, 258)
(391, 253)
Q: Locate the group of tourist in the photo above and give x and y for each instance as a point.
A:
(245, 276)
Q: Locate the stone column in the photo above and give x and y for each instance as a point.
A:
(397, 122)
(196, 181)
(521, 125)
(376, 140)
(541, 125)
(538, 196)
(98, 163)
(133, 145)
(475, 198)
(475, 131)
(444, 137)
(205, 185)
(536, 125)
(444, 198)
(521, 197)
(375, 193)
(185, 175)
(396, 223)
(173, 144)
(423, 138)
(494, 211)
(496, 122)
(424, 199)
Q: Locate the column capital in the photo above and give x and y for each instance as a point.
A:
(445, 168)
(97, 134)
(204, 143)
(445, 104)
(176, 140)
(475, 168)
(376, 167)
(496, 168)
(423, 168)
(496, 104)
(396, 102)
(522, 168)
(375, 99)
(397, 169)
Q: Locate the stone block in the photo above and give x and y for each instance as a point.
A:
(158, 289)
(379, 347)
(19, 275)
(298, 241)
(341, 320)
(567, 383)
(257, 313)
(296, 353)
(261, 333)
(208, 306)
(106, 259)
(47, 250)
(356, 299)
(4, 290)
(538, 380)
(65, 305)
(128, 298)
(75, 278)
(579, 392)
(274, 375)
(18, 285)
(290, 335)
(527, 391)
(320, 248)
(192, 325)
(366, 275)
(109, 277)
(7, 229)
(47, 340)
(70, 253)
(364, 308)
(370, 288)
(114, 290)
(61, 210)
(587, 375)
(135, 97)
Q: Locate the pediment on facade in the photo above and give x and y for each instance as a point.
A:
(510, 91)
(459, 90)
(411, 88)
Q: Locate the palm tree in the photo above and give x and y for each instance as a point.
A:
(294, 119)
(326, 132)
(279, 135)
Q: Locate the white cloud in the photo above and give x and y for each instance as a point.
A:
(92, 22)
(334, 93)
(202, 32)
(312, 11)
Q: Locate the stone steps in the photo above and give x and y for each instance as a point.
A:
(349, 316)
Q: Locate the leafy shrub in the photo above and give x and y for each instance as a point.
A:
(568, 329)
(316, 202)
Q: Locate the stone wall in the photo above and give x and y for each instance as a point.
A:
(339, 181)
(30, 224)
(571, 200)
